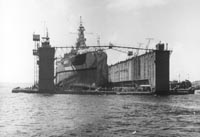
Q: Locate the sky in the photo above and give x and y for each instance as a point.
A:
(122, 22)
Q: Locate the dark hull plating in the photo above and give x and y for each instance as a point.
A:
(87, 70)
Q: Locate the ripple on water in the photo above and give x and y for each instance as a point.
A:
(112, 115)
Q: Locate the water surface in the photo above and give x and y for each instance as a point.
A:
(23, 115)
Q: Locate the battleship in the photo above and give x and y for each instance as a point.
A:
(82, 67)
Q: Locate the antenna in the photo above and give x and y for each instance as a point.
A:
(81, 20)
(47, 34)
(98, 40)
(44, 25)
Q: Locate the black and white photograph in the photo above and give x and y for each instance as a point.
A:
(99, 68)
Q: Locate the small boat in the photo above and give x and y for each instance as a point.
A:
(25, 90)
(182, 91)
(180, 88)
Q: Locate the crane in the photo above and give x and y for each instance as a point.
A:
(148, 43)
(137, 51)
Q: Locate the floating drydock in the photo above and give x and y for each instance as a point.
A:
(84, 70)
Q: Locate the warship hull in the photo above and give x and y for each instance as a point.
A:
(82, 71)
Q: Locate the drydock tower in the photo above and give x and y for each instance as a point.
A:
(162, 70)
(45, 54)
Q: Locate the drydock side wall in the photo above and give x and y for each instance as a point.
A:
(140, 69)
(150, 68)
(46, 69)
(147, 68)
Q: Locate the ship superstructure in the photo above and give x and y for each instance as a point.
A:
(82, 67)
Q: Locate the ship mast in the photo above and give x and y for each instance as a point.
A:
(81, 38)
(46, 40)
